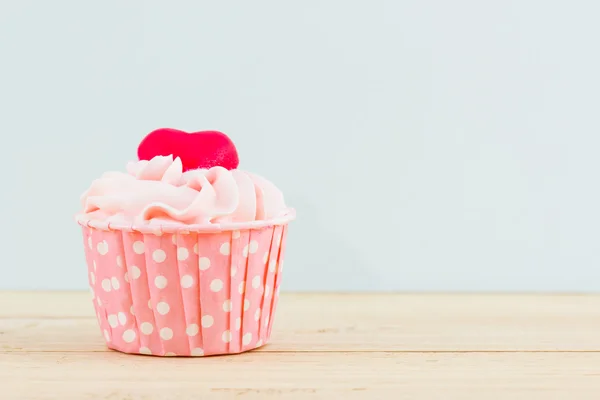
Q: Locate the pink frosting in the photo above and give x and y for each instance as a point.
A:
(158, 190)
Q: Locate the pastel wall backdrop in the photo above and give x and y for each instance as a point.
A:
(426, 145)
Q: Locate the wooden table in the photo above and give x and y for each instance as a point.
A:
(330, 346)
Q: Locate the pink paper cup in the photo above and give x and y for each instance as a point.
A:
(194, 291)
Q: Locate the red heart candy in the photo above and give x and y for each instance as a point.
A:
(204, 149)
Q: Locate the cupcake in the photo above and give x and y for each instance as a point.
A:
(184, 251)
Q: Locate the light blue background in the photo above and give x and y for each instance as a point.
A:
(426, 145)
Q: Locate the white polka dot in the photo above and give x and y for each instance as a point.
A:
(94, 264)
(259, 343)
(126, 277)
(242, 287)
(204, 263)
(147, 328)
(90, 242)
(256, 282)
(122, 318)
(113, 321)
(238, 323)
(119, 261)
(174, 239)
(102, 247)
(225, 249)
(226, 336)
(98, 301)
(92, 293)
(245, 251)
(233, 271)
(216, 285)
(280, 266)
(150, 304)
(145, 350)
(160, 282)
(227, 305)
(163, 308)
(207, 321)
(106, 335)
(93, 278)
(277, 292)
(128, 336)
(135, 272)
(246, 339)
(106, 285)
(170, 354)
(235, 234)
(138, 247)
(265, 257)
(272, 266)
(195, 248)
(257, 314)
(253, 247)
(267, 290)
(197, 352)
(131, 310)
(115, 283)
(187, 281)
(159, 255)
(182, 253)
(267, 320)
(166, 333)
(246, 304)
(192, 330)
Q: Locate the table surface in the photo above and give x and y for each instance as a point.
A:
(364, 346)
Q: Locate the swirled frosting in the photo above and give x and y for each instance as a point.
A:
(158, 190)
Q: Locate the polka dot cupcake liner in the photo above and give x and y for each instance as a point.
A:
(185, 293)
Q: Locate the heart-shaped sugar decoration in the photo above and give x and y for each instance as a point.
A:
(204, 149)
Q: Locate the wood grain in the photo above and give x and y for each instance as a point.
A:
(302, 375)
(367, 346)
